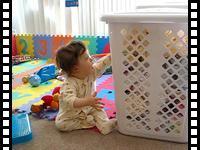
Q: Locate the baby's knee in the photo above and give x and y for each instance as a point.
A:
(62, 127)
(68, 126)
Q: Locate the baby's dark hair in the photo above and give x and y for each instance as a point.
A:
(67, 56)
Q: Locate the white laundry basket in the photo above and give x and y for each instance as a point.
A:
(150, 71)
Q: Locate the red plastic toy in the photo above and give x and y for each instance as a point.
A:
(47, 102)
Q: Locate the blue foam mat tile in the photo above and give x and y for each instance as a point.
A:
(102, 79)
(108, 94)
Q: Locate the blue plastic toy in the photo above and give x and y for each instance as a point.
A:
(34, 80)
(21, 128)
(47, 73)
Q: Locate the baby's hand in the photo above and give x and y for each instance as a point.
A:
(94, 102)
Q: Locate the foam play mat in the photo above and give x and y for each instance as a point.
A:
(24, 95)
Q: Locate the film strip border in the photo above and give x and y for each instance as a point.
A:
(193, 76)
(6, 76)
(6, 73)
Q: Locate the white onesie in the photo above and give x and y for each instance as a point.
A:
(70, 118)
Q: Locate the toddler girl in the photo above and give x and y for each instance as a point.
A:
(78, 106)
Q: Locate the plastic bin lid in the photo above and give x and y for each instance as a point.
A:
(146, 17)
(152, 12)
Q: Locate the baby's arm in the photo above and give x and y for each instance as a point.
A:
(88, 101)
(69, 97)
(101, 65)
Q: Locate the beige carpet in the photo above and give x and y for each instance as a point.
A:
(46, 137)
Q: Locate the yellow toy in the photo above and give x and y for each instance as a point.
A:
(25, 79)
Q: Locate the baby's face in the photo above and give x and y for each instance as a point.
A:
(85, 64)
